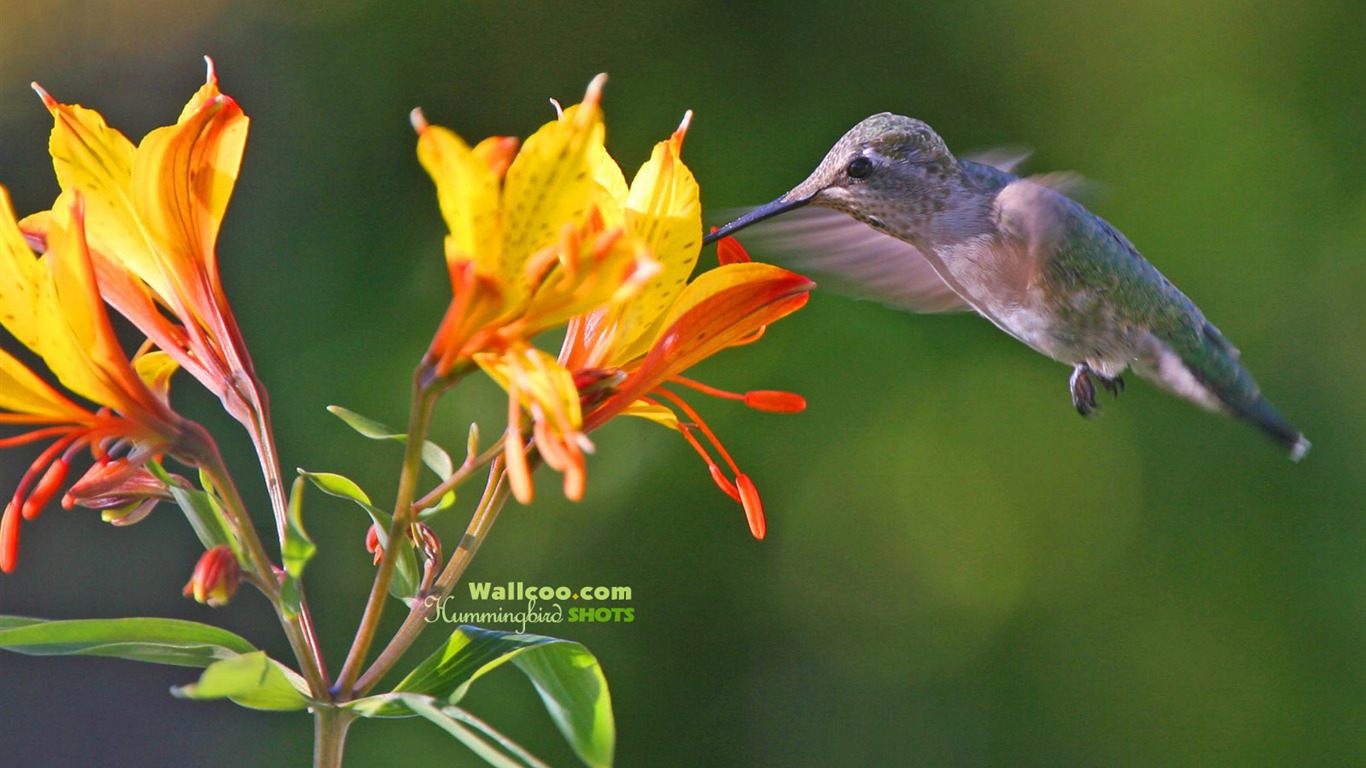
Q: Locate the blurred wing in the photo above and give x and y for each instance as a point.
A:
(851, 258)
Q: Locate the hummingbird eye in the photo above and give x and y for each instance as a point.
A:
(859, 167)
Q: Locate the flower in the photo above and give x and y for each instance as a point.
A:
(216, 577)
(537, 237)
(153, 213)
(51, 305)
(723, 307)
(617, 356)
(529, 245)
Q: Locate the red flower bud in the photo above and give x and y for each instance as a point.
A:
(216, 577)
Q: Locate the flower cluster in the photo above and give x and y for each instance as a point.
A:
(552, 235)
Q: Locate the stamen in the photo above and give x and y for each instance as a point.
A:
(701, 426)
(754, 508)
(45, 488)
(706, 389)
(9, 537)
(34, 436)
(774, 401)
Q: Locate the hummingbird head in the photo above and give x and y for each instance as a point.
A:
(889, 171)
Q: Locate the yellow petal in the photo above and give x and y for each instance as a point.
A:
(542, 383)
(155, 369)
(23, 394)
(665, 212)
(611, 189)
(656, 413)
(593, 271)
(83, 351)
(467, 190)
(550, 184)
(89, 155)
(23, 287)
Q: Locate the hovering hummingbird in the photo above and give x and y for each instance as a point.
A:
(949, 234)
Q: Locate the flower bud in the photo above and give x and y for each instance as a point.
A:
(216, 577)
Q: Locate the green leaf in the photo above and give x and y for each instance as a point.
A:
(406, 574)
(568, 678)
(340, 486)
(452, 720)
(253, 680)
(159, 641)
(433, 455)
(201, 509)
(298, 549)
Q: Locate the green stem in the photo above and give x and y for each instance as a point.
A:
(424, 399)
(329, 736)
(298, 629)
(495, 496)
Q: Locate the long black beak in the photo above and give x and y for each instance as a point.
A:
(781, 205)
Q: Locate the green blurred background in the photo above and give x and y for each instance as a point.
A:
(959, 571)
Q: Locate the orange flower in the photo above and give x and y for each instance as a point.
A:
(51, 305)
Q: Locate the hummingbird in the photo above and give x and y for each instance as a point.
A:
(891, 214)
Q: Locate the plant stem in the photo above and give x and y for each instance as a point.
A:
(495, 496)
(472, 464)
(329, 736)
(419, 417)
(298, 629)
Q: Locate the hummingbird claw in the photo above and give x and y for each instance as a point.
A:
(1084, 389)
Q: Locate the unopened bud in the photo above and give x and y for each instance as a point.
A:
(372, 543)
(216, 577)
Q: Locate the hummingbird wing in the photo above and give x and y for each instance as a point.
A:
(852, 258)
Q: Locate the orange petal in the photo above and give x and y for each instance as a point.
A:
(183, 177)
(720, 308)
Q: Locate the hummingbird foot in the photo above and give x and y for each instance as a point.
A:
(1084, 389)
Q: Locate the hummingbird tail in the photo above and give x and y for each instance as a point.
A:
(1263, 415)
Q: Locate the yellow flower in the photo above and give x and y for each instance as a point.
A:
(531, 243)
(617, 356)
(153, 213)
(51, 305)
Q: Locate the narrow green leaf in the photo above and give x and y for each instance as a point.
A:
(297, 551)
(366, 426)
(566, 675)
(406, 574)
(253, 680)
(340, 486)
(433, 455)
(159, 641)
(426, 707)
(201, 509)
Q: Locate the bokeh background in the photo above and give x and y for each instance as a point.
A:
(959, 571)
